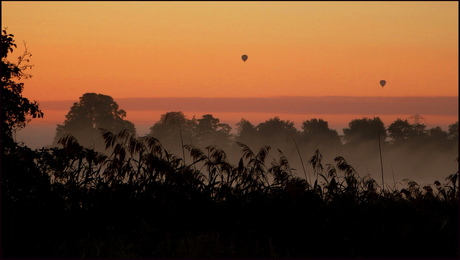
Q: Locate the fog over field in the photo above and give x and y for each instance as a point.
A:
(424, 165)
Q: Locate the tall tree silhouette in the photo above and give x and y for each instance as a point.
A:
(16, 109)
(25, 189)
(92, 112)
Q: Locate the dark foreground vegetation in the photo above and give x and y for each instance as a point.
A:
(143, 202)
(136, 199)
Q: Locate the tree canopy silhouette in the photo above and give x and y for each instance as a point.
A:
(174, 130)
(453, 132)
(400, 131)
(210, 131)
(246, 132)
(16, 109)
(92, 112)
(365, 129)
(276, 131)
(316, 133)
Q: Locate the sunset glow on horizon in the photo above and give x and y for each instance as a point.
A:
(193, 49)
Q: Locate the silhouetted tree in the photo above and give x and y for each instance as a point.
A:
(400, 131)
(419, 132)
(453, 132)
(16, 109)
(21, 182)
(404, 133)
(363, 130)
(25, 190)
(317, 134)
(276, 129)
(437, 134)
(437, 138)
(279, 134)
(210, 132)
(246, 132)
(453, 136)
(174, 130)
(92, 112)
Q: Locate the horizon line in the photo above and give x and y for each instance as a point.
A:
(427, 105)
(263, 97)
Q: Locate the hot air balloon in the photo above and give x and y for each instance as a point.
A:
(244, 57)
(382, 83)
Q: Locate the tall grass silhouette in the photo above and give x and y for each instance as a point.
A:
(138, 200)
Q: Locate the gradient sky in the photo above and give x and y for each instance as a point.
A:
(193, 49)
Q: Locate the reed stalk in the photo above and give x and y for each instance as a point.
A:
(381, 161)
(301, 161)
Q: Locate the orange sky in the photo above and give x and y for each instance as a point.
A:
(193, 49)
(139, 49)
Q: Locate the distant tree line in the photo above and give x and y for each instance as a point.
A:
(174, 129)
